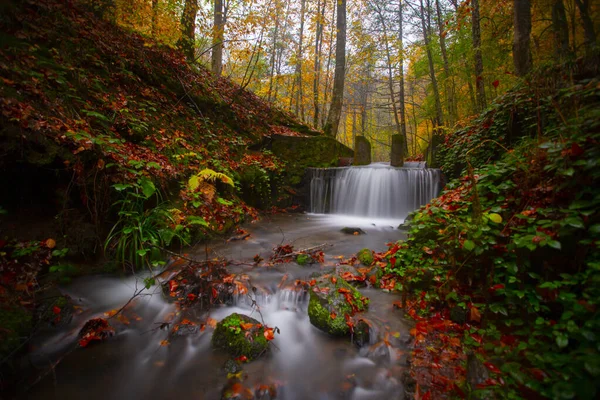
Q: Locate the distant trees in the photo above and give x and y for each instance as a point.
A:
(348, 68)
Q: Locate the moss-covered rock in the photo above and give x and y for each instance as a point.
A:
(231, 335)
(365, 256)
(332, 300)
(303, 152)
(303, 259)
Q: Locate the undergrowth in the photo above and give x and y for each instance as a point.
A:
(509, 251)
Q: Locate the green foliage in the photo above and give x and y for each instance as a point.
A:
(140, 233)
(529, 264)
(208, 175)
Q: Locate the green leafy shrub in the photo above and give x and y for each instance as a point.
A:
(518, 242)
(139, 234)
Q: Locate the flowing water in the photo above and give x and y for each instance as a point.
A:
(376, 190)
(304, 363)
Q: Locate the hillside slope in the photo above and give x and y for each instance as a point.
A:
(85, 105)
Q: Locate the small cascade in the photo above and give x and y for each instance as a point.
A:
(375, 191)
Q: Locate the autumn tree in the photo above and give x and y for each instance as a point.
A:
(335, 111)
(218, 38)
(522, 37)
(188, 29)
(478, 58)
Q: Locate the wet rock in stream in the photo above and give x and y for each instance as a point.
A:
(332, 304)
(352, 231)
(240, 335)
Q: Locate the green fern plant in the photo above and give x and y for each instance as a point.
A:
(140, 233)
(208, 175)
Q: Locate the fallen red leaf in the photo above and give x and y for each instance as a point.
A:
(269, 335)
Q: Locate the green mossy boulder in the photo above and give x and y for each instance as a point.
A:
(231, 336)
(327, 308)
(365, 256)
(303, 259)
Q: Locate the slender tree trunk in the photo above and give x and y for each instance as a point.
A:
(218, 35)
(273, 53)
(414, 114)
(280, 51)
(448, 80)
(401, 73)
(476, 32)
(439, 118)
(436, 92)
(389, 68)
(335, 111)
(317, 70)
(154, 18)
(299, 94)
(327, 70)
(188, 29)
(522, 37)
(588, 25)
(560, 27)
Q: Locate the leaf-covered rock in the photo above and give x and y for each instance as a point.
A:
(332, 304)
(240, 335)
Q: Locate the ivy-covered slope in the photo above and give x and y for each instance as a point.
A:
(502, 271)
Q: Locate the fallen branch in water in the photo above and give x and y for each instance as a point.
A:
(307, 250)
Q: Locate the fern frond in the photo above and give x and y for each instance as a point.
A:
(208, 175)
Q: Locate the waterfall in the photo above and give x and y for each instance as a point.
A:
(376, 190)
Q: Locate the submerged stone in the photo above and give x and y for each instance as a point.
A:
(332, 302)
(240, 335)
(352, 231)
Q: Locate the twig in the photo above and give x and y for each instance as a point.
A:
(136, 293)
(306, 250)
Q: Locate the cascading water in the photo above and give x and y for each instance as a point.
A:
(155, 355)
(375, 191)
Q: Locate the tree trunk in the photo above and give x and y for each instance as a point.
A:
(522, 37)
(299, 85)
(273, 57)
(588, 25)
(154, 18)
(317, 70)
(327, 80)
(389, 68)
(188, 29)
(448, 80)
(335, 111)
(560, 26)
(476, 31)
(218, 35)
(436, 92)
(401, 94)
(439, 118)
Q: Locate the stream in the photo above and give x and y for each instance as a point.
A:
(304, 363)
